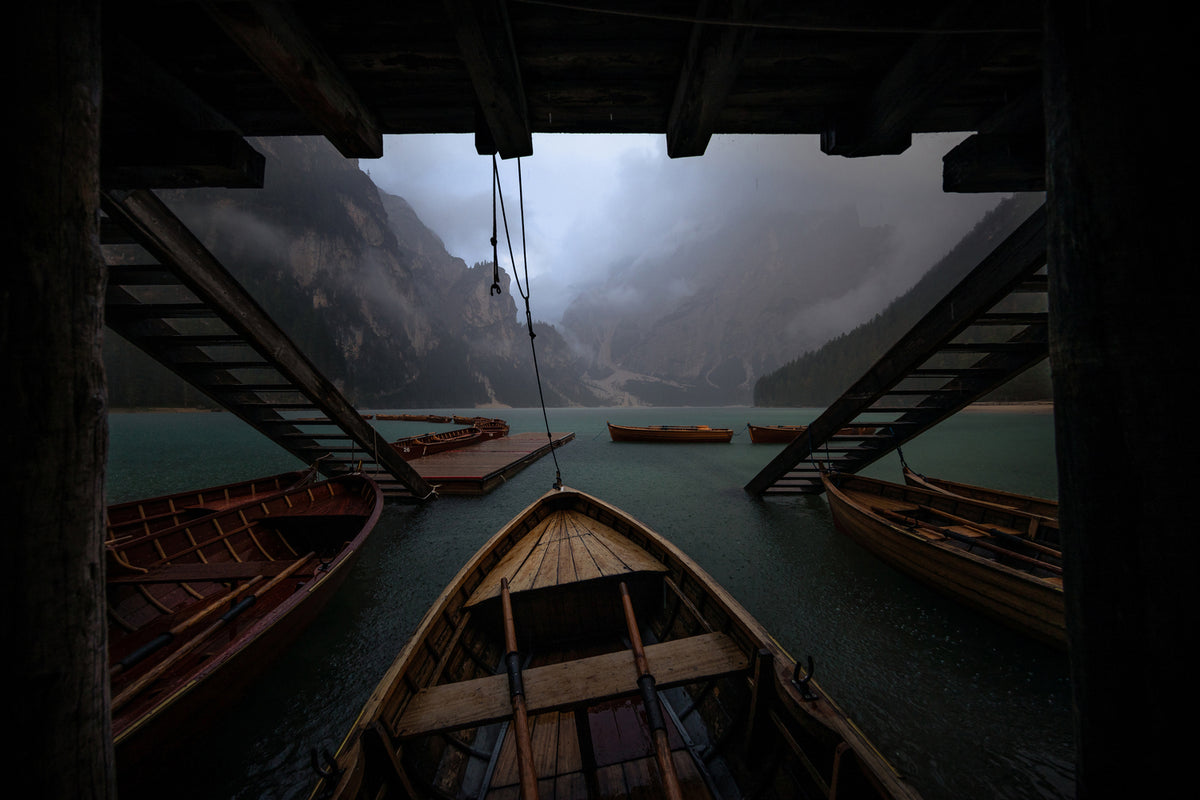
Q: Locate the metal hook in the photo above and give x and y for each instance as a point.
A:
(803, 683)
(330, 771)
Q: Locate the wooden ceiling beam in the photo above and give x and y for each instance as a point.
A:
(1008, 154)
(485, 42)
(884, 123)
(158, 134)
(273, 36)
(714, 54)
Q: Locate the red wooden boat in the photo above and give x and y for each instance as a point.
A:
(197, 610)
(138, 517)
(429, 443)
(669, 433)
(783, 434)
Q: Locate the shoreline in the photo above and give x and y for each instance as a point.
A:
(1019, 407)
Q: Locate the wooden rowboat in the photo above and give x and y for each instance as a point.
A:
(669, 433)
(1020, 502)
(195, 611)
(139, 517)
(635, 675)
(783, 434)
(429, 443)
(774, 434)
(999, 561)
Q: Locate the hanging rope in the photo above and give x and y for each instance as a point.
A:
(498, 193)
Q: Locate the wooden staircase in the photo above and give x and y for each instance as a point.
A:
(975, 340)
(170, 297)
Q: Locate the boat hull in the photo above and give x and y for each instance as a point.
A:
(430, 443)
(1025, 602)
(669, 433)
(775, 434)
(580, 679)
(166, 697)
(1025, 503)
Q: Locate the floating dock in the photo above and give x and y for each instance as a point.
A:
(482, 467)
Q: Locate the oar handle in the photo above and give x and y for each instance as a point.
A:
(654, 715)
(516, 690)
(141, 683)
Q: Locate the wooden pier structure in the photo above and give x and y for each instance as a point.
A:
(969, 344)
(1083, 100)
(480, 468)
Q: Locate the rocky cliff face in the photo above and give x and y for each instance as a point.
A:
(368, 292)
(703, 323)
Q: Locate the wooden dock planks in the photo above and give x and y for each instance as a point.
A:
(481, 467)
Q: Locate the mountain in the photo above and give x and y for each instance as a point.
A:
(820, 375)
(365, 290)
(699, 325)
(369, 293)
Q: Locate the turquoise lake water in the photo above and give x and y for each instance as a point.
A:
(963, 706)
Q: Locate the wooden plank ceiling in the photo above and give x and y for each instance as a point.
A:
(185, 81)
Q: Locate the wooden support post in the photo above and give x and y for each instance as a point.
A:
(654, 715)
(529, 788)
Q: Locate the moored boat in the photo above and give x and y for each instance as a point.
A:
(636, 675)
(197, 610)
(429, 443)
(668, 433)
(999, 561)
(774, 434)
(1020, 502)
(136, 517)
(782, 434)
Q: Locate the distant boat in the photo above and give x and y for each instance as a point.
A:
(1002, 562)
(414, 417)
(669, 433)
(492, 428)
(774, 434)
(196, 610)
(429, 443)
(782, 434)
(580, 653)
(1020, 502)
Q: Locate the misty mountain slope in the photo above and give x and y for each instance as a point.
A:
(365, 289)
(705, 321)
(819, 376)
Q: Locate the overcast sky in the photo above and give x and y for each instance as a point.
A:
(594, 201)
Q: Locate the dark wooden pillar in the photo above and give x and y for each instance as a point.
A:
(53, 408)
(1122, 231)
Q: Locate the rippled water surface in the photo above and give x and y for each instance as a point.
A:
(963, 706)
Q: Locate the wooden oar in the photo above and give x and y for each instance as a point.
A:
(141, 683)
(165, 638)
(991, 530)
(654, 715)
(516, 691)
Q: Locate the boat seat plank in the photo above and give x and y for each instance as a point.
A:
(217, 571)
(561, 686)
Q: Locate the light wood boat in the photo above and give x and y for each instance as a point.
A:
(429, 443)
(579, 654)
(999, 561)
(195, 611)
(669, 433)
(1020, 502)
